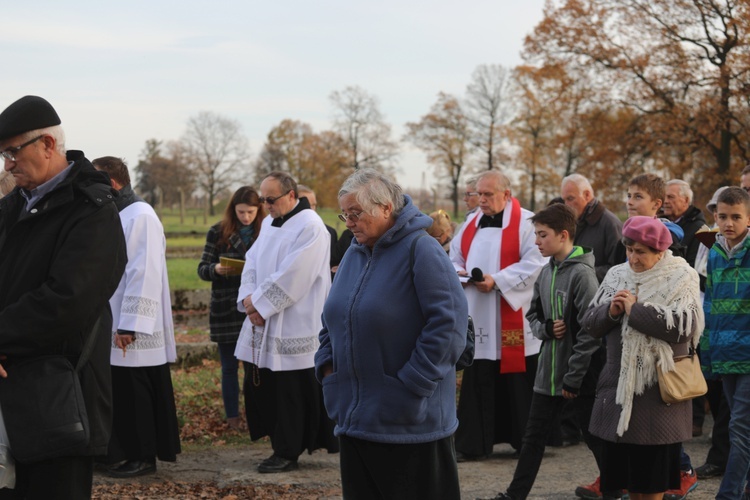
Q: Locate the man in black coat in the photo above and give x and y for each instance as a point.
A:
(679, 208)
(598, 228)
(62, 253)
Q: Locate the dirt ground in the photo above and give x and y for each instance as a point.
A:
(229, 474)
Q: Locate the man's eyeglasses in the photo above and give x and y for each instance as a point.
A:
(10, 153)
(354, 216)
(469, 194)
(272, 199)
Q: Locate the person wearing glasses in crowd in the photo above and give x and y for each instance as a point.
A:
(62, 253)
(392, 333)
(498, 243)
(284, 284)
(471, 198)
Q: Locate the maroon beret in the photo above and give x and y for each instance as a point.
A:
(647, 231)
(27, 113)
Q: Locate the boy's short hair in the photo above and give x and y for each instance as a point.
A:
(734, 196)
(557, 217)
(652, 184)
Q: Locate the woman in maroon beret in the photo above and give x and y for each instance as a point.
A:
(648, 311)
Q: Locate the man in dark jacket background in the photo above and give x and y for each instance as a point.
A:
(62, 253)
(679, 208)
(598, 228)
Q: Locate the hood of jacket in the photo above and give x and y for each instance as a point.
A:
(579, 255)
(409, 220)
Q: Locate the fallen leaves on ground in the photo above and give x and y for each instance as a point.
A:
(210, 490)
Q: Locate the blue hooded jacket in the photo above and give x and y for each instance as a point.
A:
(393, 341)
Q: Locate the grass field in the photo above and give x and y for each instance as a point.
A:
(183, 275)
(192, 235)
(195, 222)
(196, 242)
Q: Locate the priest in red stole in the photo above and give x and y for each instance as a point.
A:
(497, 243)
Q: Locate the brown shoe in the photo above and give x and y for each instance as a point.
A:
(235, 423)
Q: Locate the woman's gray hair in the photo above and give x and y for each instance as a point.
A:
(372, 189)
(56, 131)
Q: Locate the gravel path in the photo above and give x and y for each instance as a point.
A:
(318, 476)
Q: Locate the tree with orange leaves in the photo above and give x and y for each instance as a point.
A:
(681, 65)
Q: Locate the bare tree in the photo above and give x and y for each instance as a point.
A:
(489, 105)
(443, 134)
(358, 119)
(162, 177)
(218, 152)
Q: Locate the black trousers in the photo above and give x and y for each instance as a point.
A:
(372, 470)
(719, 451)
(67, 478)
(544, 410)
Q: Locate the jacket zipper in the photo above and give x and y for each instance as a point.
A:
(351, 349)
(554, 340)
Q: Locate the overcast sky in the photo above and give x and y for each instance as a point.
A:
(121, 75)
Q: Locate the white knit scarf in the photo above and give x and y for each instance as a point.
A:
(671, 287)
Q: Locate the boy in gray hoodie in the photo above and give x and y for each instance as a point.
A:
(569, 360)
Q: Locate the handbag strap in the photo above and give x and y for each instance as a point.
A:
(88, 346)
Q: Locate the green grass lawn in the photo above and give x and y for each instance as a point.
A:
(183, 275)
(196, 222)
(187, 241)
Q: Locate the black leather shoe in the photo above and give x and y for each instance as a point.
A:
(132, 468)
(709, 470)
(275, 463)
(461, 457)
(499, 496)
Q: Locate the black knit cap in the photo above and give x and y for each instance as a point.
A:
(27, 113)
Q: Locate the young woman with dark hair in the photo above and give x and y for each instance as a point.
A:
(232, 238)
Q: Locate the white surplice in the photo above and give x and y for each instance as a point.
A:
(141, 302)
(287, 274)
(515, 282)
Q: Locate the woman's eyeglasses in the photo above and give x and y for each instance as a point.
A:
(354, 216)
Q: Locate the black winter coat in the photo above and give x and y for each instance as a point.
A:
(59, 265)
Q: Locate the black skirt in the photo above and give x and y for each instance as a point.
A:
(640, 468)
(144, 424)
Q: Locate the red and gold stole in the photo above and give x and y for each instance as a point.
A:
(512, 349)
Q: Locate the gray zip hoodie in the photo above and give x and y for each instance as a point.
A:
(563, 290)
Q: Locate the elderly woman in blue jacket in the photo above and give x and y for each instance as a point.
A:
(390, 340)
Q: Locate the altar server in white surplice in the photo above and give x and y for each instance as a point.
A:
(144, 424)
(497, 242)
(285, 283)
